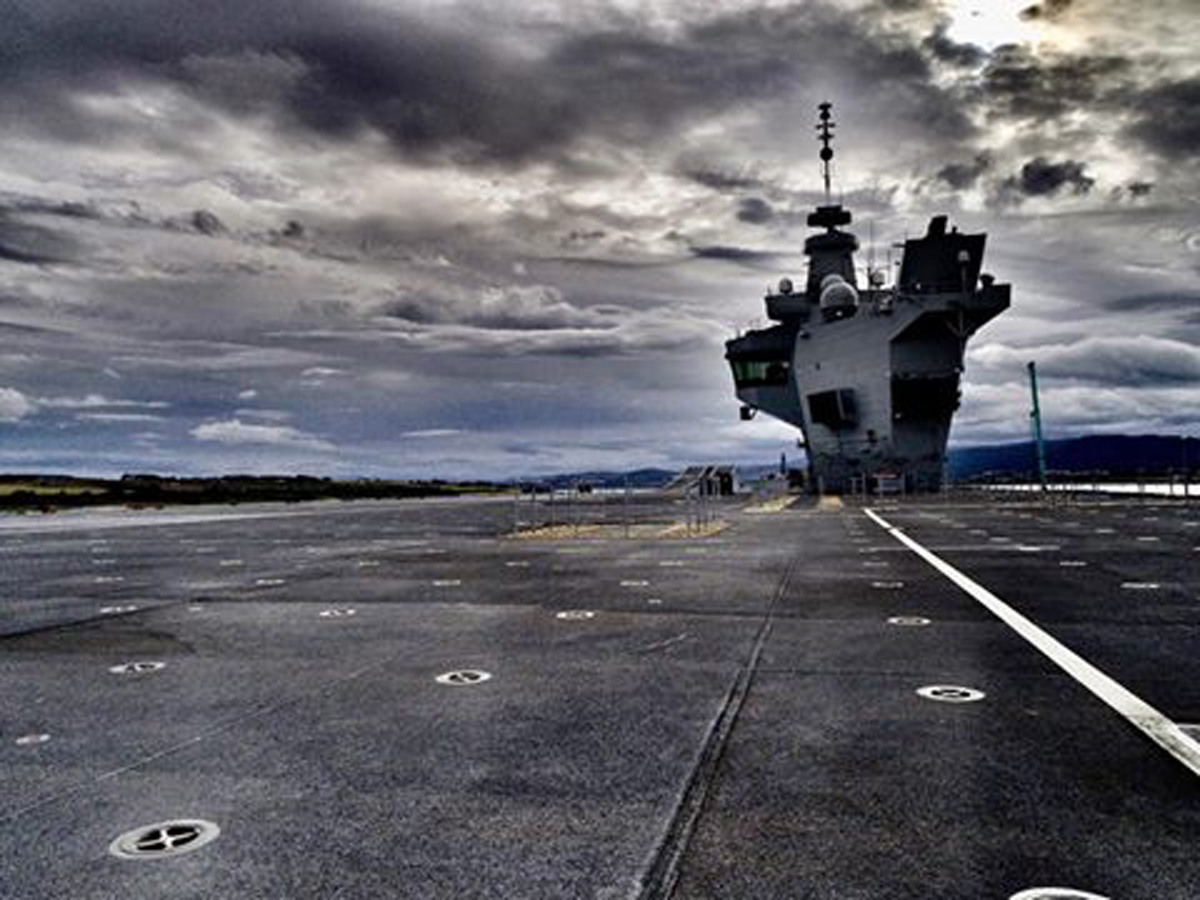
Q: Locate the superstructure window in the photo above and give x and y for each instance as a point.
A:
(833, 409)
(931, 396)
(753, 372)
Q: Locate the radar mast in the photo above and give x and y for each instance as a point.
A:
(825, 136)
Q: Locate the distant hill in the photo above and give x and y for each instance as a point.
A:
(1103, 455)
(638, 478)
(646, 478)
(1112, 454)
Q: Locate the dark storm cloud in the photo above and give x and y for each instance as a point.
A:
(311, 65)
(9, 253)
(206, 222)
(939, 45)
(755, 211)
(23, 242)
(719, 179)
(515, 308)
(1169, 118)
(17, 209)
(1041, 178)
(328, 72)
(743, 255)
(40, 206)
(963, 175)
(318, 70)
(579, 237)
(1183, 302)
(601, 345)
(1018, 84)
(21, 330)
(921, 10)
(1049, 9)
(796, 45)
(446, 345)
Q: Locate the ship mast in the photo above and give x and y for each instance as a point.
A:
(825, 136)
(829, 253)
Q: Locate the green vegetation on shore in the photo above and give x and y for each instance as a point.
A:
(45, 493)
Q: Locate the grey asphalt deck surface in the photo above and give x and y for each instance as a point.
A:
(736, 719)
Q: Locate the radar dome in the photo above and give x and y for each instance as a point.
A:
(837, 294)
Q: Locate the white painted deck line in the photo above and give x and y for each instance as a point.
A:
(1138, 712)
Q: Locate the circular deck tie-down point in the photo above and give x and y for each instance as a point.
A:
(164, 839)
(575, 615)
(137, 668)
(340, 613)
(463, 677)
(909, 621)
(1055, 893)
(31, 740)
(950, 693)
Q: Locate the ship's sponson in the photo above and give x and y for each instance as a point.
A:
(871, 376)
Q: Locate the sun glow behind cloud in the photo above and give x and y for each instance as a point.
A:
(990, 23)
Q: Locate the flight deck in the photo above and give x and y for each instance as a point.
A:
(923, 698)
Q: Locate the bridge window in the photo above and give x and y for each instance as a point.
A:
(755, 372)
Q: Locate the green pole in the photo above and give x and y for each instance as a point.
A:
(1036, 415)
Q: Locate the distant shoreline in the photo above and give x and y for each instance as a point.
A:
(47, 493)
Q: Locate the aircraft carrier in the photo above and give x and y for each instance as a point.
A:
(870, 376)
(946, 697)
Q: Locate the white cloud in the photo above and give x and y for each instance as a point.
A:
(1130, 361)
(431, 433)
(248, 394)
(1000, 412)
(321, 372)
(317, 376)
(207, 356)
(97, 401)
(118, 417)
(234, 431)
(14, 405)
(272, 415)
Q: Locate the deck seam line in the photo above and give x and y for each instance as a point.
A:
(662, 874)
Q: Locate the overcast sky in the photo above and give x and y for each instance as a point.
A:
(394, 237)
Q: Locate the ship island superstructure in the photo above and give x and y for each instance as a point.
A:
(870, 375)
